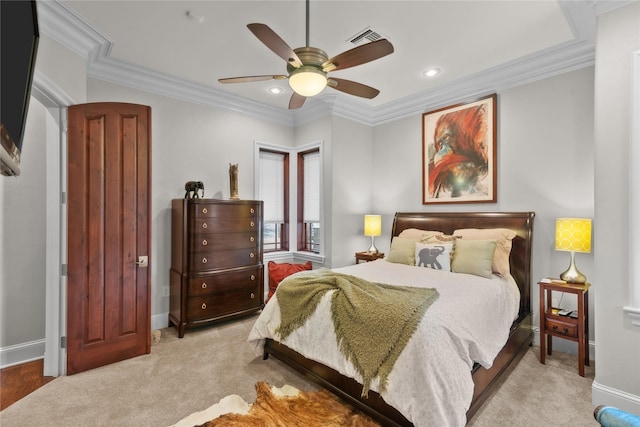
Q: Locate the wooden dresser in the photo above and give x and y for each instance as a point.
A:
(216, 261)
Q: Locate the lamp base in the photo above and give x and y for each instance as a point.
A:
(572, 274)
(372, 248)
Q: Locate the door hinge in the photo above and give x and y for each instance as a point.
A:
(63, 197)
(63, 269)
(63, 342)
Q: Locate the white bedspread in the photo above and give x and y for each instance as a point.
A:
(431, 382)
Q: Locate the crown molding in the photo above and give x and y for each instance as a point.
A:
(604, 6)
(538, 66)
(59, 22)
(119, 72)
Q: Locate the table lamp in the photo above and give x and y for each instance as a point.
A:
(372, 227)
(573, 235)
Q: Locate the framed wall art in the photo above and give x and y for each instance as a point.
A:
(459, 153)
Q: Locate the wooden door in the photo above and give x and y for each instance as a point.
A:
(109, 189)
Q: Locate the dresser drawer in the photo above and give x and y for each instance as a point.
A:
(204, 261)
(226, 224)
(207, 242)
(221, 283)
(233, 300)
(223, 210)
(558, 327)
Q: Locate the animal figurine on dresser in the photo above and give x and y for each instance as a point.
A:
(194, 190)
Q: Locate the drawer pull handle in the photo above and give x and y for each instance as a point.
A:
(253, 210)
(204, 285)
(253, 223)
(204, 225)
(253, 295)
(252, 239)
(204, 306)
(204, 210)
(204, 260)
(204, 242)
(253, 277)
(564, 331)
(251, 255)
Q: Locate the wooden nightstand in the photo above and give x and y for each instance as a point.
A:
(554, 325)
(368, 256)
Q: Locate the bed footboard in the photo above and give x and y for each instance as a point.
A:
(349, 389)
(345, 388)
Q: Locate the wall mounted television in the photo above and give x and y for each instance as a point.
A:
(18, 46)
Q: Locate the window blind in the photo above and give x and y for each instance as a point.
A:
(271, 185)
(312, 187)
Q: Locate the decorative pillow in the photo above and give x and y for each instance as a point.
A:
(402, 250)
(436, 256)
(439, 238)
(503, 237)
(417, 234)
(279, 271)
(473, 257)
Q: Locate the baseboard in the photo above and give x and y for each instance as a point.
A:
(21, 353)
(34, 350)
(604, 395)
(159, 321)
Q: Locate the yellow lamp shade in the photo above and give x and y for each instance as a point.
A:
(573, 234)
(372, 225)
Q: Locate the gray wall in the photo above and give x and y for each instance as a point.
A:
(549, 161)
(545, 165)
(22, 237)
(618, 349)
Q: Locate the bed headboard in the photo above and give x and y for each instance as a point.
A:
(520, 222)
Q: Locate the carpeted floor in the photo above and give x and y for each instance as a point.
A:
(186, 375)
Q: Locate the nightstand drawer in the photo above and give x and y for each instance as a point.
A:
(558, 327)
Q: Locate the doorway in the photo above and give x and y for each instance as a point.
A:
(108, 233)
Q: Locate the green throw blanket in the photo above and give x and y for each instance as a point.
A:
(373, 322)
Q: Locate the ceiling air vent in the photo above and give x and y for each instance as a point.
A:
(366, 34)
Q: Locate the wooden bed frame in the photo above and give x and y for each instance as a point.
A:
(520, 337)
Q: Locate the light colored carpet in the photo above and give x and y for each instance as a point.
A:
(182, 376)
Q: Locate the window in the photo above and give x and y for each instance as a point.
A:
(273, 190)
(309, 200)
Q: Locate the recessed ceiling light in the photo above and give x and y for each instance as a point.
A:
(432, 72)
(275, 90)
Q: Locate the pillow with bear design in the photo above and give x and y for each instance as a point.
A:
(434, 255)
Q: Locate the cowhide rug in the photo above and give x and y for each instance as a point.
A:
(279, 407)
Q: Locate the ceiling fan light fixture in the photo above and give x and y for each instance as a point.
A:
(308, 80)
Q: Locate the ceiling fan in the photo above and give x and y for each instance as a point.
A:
(308, 67)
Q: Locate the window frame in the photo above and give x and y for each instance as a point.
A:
(285, 225)
(301, 226)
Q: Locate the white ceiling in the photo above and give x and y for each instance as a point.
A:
(480, 40)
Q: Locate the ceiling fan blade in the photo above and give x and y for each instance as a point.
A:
(353, 88)
(273, 41)
(359, 55)
(252, 78)
(296, 101)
